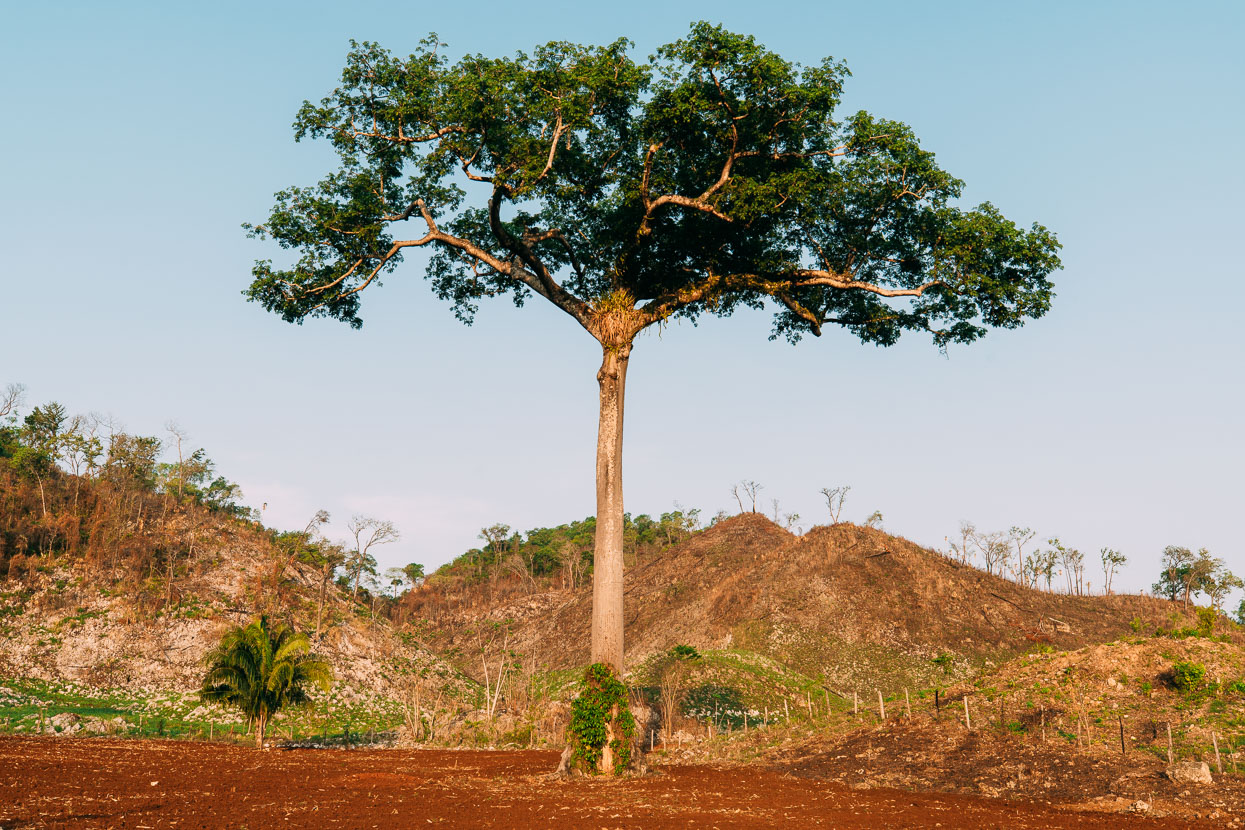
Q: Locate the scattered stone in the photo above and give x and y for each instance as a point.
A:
(1190, 772)
(1139, 806)
(65, 722)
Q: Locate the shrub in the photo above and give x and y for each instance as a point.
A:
(1185, 677)
(1206, 621)
(685, 652)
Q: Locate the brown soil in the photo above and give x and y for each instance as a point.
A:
(64, 783)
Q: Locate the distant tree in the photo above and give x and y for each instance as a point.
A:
(414, 573)
(1240, 612)
(179, 436)
(1019, 537)
(368, 533)
(962, 549)
(1073, 562)
(1112, 561)
(1186, 573)
(132, 459)
(628, 195)
(11, 401)
(396, 582)
(326, 557)
(261, 669)
(874, 520)
(1221, 584)
(496, 544)
(42, 428)
(994, 548)
(1041, 564)
(835, 496)
(1173, 579)
(751, 489)
(82, 447)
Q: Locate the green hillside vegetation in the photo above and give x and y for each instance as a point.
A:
(510, 563)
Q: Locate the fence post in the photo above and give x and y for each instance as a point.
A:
(907, 702)
(1169, 743)
(881, 705)
(968, 722)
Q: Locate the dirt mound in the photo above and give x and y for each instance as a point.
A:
(848, 604)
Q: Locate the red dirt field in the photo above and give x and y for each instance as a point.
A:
(96, 783)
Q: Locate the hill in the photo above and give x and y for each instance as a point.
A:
(853, 607)
(78, 637)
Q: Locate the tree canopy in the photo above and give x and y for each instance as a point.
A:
(716, 176)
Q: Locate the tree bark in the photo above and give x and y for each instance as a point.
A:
(607, 570)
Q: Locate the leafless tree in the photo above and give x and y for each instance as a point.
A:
(11, 399)
(368, 532)
(994, 548)
(962, 550)
(835, 496)
(751, 488)
(487, 637)
(786, 520)
(1019, 537)
(671, 692)
(738, 497)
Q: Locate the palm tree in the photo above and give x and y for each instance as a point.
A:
(261, 669)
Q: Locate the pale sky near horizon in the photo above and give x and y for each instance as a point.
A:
(139, 136)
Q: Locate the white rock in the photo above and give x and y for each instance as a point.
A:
(1190, 772)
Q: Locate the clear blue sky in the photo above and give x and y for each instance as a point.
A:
(138, 137)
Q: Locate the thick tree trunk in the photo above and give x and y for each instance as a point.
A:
(607, 572)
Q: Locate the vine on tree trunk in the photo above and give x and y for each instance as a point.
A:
(600, 710)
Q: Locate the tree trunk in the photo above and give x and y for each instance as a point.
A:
(260, 726)
(607, 572)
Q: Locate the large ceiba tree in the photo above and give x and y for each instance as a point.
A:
(717, 176)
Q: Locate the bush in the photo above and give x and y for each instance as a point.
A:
(1206, 621)
(685, 652)
(1186, 677)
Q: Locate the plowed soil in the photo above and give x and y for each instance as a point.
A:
(96, 783)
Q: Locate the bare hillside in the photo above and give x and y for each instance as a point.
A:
(68, 622)
(844, 603)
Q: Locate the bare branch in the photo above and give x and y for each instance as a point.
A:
(11, 398)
